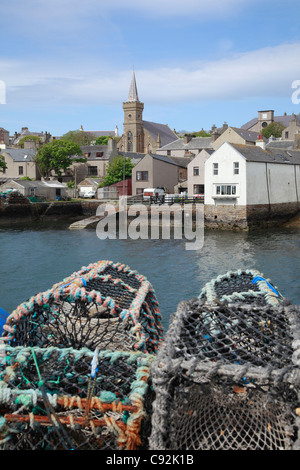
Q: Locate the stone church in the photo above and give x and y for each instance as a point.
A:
(141, 136)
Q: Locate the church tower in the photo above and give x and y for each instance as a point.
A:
(133, 120)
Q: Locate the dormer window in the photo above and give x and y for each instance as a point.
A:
(99, 154)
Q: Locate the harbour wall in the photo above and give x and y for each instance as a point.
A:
(228, 217)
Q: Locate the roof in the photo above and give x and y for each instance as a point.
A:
(285, 120)
(101, 133)
(280, 144)
(182, 161)
(20, 155)
(162, 130)
(196, 143)
(25, 132)
(94, 149)
(133, 94)
(271, 155)
(248, 136)
(38, 183)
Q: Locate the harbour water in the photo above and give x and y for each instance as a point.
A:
(34, 257)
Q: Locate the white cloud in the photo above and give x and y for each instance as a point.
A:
(261, 73)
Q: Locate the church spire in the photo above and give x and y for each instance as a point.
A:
(133, 94)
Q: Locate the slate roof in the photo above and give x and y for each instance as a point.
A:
(94, 149)
(248, 136)
(271, 155)
(163, 130)
(196, 143)
(281, 144)
(20, 155)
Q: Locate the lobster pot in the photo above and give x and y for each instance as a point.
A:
(105, 305)
(247, 286)
(50, 401)
(227, 378)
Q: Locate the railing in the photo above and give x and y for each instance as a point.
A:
(168, 199)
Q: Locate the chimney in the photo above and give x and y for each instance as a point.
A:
(187, 138)
(260, 142)
(297, 141)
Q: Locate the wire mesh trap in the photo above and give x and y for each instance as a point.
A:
(63, 399)
(105, 305)
(245, 286)
(227, 378)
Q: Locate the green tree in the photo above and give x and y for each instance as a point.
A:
(102, 140)
(3, 165)
(274, 128)
(79, 137)
(57, 156)
(115, 170)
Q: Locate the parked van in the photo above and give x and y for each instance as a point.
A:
(157, 193)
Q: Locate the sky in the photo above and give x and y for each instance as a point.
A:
(67, 63)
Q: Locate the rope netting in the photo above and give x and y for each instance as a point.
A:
(63, 399)
(245, 286)
(105, 305)
(85, 365)
(227, 377)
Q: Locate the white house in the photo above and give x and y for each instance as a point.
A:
(245, 182)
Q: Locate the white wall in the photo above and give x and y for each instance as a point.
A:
(225, 156)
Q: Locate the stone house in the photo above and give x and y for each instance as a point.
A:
(98, 157)
(244, 184)
(195, 173)
(235, 135)
(141, 136)
(20, 163)
(4, 138)
(51, 190)
(154, 171)
(187, 146)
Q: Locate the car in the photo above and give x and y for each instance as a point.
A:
(89, 194)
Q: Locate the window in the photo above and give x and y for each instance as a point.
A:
(236, 168)
(168, 152)
(198, 189)
(226, 190)
(21, 170)
(286, 134)
(99, 154)
(142, 176)
(129, 142)
(216, 169)
(196, 171)
(87, 154)
(92, 171)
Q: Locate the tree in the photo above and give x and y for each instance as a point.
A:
(115, 171)
(79, 137)
(274, 128)
(102, 140)
(57, 156)
(3, 165)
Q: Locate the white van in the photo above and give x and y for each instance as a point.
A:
(153, 192)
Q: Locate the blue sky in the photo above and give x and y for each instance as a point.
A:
(67, 63)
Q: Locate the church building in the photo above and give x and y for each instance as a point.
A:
(141, 136)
